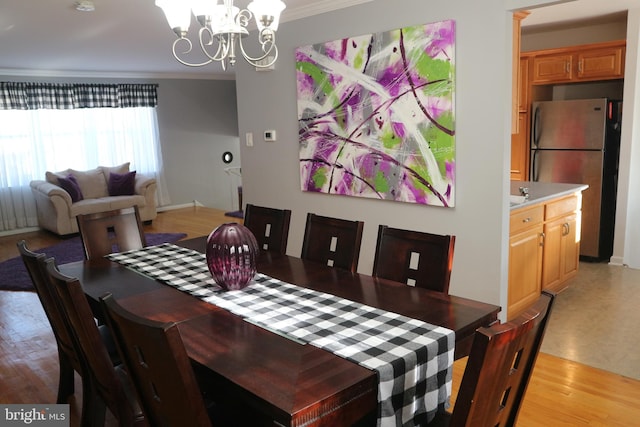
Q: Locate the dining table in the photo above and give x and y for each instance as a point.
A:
(274, 373)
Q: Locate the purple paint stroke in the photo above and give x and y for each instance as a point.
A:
(390, 79)
(441, 37)
(399, 129)
(344, 185)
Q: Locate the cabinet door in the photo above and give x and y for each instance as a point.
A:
(552, 68)
(561, 252)
(523, 86)
(520, 149)
(571, 247)
(552, 268)
(599, 64)
(525, 264)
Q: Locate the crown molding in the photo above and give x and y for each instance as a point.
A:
(318, 7)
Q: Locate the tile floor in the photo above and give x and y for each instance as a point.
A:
(596, 320)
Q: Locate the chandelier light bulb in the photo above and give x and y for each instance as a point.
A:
(266, 13)
(85, 6)
(178, 15)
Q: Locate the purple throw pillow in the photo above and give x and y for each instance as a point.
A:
(122, 184)
(70, 185)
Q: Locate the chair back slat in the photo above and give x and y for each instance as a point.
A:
(270, 227)
(332, 241)
(111, 231)
(416, 258)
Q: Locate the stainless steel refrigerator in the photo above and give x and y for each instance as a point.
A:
(578, 142)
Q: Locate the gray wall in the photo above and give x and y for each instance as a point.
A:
(198, 122)
(483, 64)
(549, 37)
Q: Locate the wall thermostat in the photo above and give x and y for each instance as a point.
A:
(269, 135)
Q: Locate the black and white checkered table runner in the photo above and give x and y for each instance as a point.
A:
(413, 358)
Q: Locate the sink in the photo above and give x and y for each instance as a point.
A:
(516, 200)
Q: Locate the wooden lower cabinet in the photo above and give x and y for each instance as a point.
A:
(561, 245)
(544, 250)
(525, 258)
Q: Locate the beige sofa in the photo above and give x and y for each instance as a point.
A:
(57, 212)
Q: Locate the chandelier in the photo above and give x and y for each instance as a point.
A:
(222, 27)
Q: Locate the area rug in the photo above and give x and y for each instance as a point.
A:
(235, 214)
(14, 276)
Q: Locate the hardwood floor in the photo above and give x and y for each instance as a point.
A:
(561, 392)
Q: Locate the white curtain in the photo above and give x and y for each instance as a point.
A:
(35, 141)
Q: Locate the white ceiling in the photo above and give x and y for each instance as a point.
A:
(131, 37)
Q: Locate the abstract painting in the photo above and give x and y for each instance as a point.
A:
(376, 115)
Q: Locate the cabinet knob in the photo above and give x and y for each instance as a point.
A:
(527, 219)
(542, 236)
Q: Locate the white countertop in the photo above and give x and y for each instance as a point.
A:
(543, 191)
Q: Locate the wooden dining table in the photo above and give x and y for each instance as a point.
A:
(289, 383)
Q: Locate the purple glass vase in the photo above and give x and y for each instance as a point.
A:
(231, 255)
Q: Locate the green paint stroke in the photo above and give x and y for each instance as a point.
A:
(380, 182)
(421, 169)
(441, 144)
(433, 69)
(390, 140)
(319, 178)
(321, 81)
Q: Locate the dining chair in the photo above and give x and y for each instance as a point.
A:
(160, 368)
(270, 226)
(332, 241)
(416, 258)
(116, 230)
(498, 370)
(110, 385)
(69, 359)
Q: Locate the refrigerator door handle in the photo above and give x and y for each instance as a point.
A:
(535, 129)
(534, 165)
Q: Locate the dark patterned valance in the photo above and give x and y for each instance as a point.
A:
(52, 96)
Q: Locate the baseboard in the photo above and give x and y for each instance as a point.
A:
(18, 231)
(195, 203)
(616, 260)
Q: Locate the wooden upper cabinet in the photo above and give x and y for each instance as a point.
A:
(596, 64)
(600, 61)
(552, 68)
